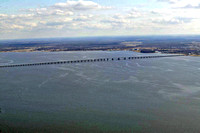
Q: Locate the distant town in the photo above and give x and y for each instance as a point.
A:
(187, 45)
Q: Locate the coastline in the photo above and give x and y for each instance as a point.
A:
(26, 51)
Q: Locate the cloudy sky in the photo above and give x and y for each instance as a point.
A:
(73, 18)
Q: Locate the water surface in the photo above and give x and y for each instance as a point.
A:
(148, 95)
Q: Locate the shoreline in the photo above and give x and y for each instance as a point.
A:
(21, 51)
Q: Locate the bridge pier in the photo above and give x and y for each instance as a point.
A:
(89, 60)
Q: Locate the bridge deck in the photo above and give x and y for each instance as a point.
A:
(86, 60)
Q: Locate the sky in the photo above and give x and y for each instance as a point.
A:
(77, 18)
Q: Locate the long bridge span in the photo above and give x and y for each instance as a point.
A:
(86, 60)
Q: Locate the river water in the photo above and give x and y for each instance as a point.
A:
(148, 95)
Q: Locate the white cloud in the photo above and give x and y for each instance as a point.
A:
(189, 6)
(182, 3)
(49, 11)
(58, 16)
(3, 15)
(135, 13)
(172, 21)
(86, 17)
(80, 5)
(82, 17)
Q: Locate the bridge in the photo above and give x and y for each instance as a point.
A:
(86, 60)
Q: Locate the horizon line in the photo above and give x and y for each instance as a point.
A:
(76, 37)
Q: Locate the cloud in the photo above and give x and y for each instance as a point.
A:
(189, 6)
(89, 18)
(169, 1)
(3, 15)
(172, 21)
(49, 11)
(82, 17)
(183, 3)
(118, 21)
(66, 9)
(59, 15)
(81, 5)
(135, 13)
